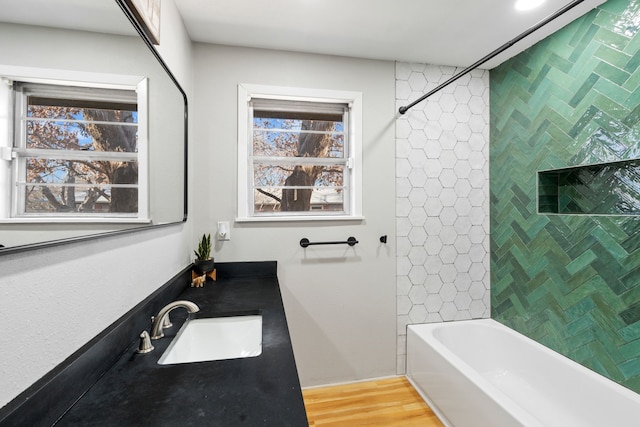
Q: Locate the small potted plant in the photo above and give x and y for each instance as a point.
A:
(204, 263)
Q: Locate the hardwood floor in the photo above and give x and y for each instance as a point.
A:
(387, 402)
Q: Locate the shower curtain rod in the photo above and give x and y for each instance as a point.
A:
(496, 52)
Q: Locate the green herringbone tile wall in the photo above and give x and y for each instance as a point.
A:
(571, 282)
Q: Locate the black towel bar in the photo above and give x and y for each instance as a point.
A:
(351, 241)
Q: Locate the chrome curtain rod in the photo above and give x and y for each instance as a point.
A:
(493, 54)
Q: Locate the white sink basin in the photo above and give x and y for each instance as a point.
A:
(215, 338)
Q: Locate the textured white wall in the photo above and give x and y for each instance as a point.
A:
(52, 301)
(340, 301)
(55, 300)
(442, 198)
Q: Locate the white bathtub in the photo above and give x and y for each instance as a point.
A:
(479, 373)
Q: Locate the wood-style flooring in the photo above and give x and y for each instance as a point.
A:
(385, 402)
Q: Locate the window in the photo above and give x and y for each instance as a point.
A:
(299, 154)
(73, 153)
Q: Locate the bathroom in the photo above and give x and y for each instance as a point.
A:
(347, 309)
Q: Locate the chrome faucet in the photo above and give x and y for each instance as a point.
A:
(158, 321)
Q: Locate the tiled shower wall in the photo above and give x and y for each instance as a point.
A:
(571, 282)
(442, 198)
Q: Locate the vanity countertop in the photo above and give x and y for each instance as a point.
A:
(256, 391)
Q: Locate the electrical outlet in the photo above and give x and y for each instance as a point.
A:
(224, 230)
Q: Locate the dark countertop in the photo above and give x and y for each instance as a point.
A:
(257, 391)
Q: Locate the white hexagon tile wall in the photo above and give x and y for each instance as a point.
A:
(442, 198)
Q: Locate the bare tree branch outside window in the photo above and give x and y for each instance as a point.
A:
(54, 184)
(299, 163)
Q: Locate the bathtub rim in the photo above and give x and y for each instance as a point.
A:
(478, 380)
(492, 392)
(493, 323)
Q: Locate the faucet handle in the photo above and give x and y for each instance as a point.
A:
(145, 343)
(166, 322)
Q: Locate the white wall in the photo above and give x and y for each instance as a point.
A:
(339, 301)
(52, 301)
(442, 169)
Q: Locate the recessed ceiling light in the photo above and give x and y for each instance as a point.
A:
(528, 4)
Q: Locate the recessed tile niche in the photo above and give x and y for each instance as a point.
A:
(599, 189)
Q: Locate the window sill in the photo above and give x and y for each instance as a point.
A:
(299, 218)
(75, 221)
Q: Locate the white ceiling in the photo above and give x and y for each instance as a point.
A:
(443, 32)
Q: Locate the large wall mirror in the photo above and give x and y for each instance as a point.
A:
(92, 125)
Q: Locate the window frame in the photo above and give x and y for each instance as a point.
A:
(353, 201)
(9, 162)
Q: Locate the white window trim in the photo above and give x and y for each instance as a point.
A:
(354, 99)
(82, 79)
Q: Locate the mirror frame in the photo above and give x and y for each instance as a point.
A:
(51, 243)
